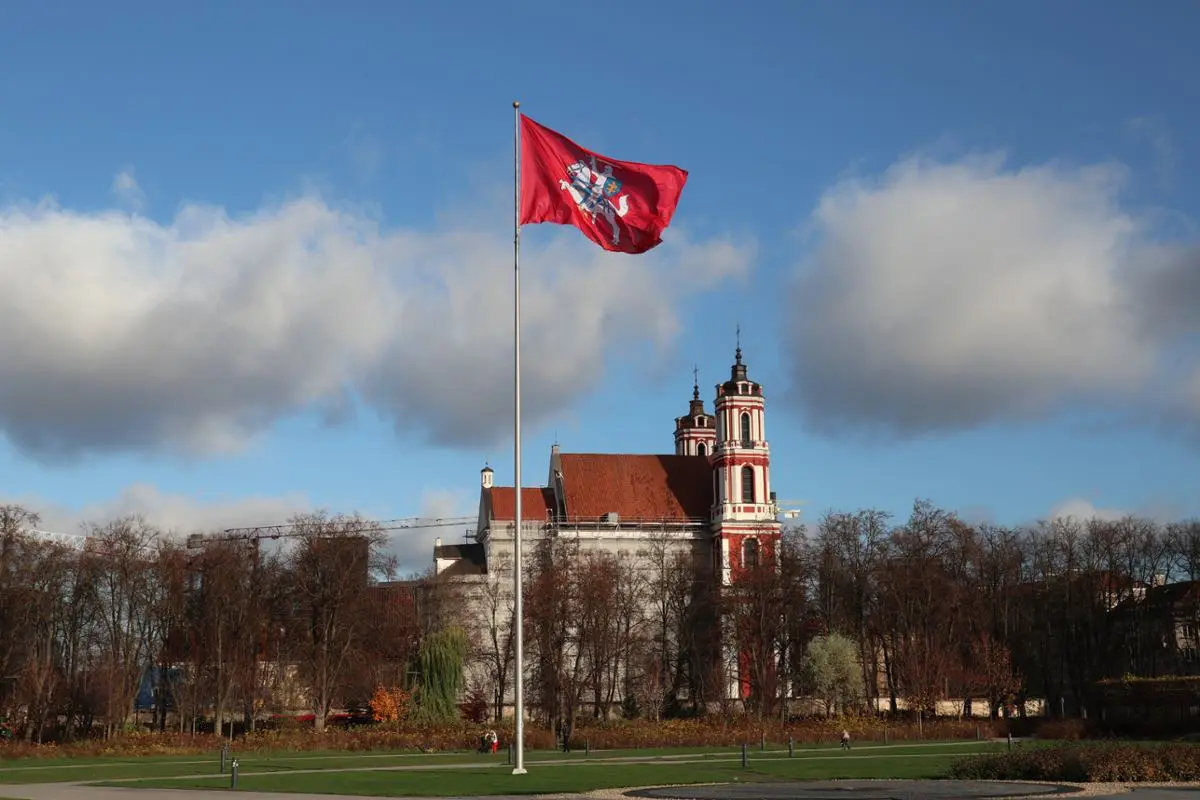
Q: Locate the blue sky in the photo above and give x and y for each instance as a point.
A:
(253, 257)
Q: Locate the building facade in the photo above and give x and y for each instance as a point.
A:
(709, 502)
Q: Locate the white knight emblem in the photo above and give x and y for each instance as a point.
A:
(594, 190)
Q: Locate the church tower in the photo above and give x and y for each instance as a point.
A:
(695, 434)
(745, 531)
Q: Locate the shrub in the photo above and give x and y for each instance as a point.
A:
(1086, 763)
(717, 731)
(297, 734)
(475, 707)
(1066, 730)
(390, 705)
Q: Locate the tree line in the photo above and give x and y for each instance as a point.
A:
(230, 629)
(857, 611)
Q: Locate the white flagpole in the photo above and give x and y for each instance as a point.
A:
(518, 562)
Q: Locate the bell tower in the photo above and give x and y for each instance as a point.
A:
(745, 531)
(696, 433)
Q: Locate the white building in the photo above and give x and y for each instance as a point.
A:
(711, 498)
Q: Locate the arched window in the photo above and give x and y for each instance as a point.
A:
(746, 440)
(747, 484)
(750, 554)
(701, 450)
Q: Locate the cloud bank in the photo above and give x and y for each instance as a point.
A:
(194, 336)
(946, 296)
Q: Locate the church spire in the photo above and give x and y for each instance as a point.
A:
(695, 434)
(737, 372)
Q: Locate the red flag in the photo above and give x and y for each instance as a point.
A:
(622, 206)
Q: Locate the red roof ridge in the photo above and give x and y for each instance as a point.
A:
(536, 503)
(646, 486)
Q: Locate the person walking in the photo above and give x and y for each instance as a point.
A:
(845, 739)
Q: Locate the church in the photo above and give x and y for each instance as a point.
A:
(711, 498)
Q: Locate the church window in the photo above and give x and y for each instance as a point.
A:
(750, 553)
(746, 440)
(701, 450)
(747, 484)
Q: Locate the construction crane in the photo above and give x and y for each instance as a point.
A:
(778, 508)
(72, 541)
(283, 530)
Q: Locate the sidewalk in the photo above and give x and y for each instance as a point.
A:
(67, 791)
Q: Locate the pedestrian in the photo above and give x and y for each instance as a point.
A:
(566, 736)
(845, 739)
(495, 740)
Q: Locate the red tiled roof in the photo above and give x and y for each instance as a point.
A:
(637, 486)
(536, 504)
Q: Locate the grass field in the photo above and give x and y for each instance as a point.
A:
(445, 774)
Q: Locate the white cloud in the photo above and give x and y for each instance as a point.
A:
(1083, 510)
(949, 295)
(173, 513)
(127, 191)
(196, 335)
(413, 547)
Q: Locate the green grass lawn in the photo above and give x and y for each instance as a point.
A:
(115, 767)
(400, 774)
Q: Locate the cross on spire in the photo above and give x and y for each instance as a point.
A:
(695, 382)
(739, 343)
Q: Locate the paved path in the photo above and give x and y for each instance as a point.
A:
(63, 791)
(866, 790)
(901, 790)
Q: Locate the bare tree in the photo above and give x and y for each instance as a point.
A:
(498, 610)
(125, 587)
(551, 609)
(598, 626)
(330, 570)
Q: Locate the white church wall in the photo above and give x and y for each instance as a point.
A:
(490, 603)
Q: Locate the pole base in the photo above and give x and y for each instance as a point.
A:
(519, 771)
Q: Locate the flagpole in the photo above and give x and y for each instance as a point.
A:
(518, 562)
